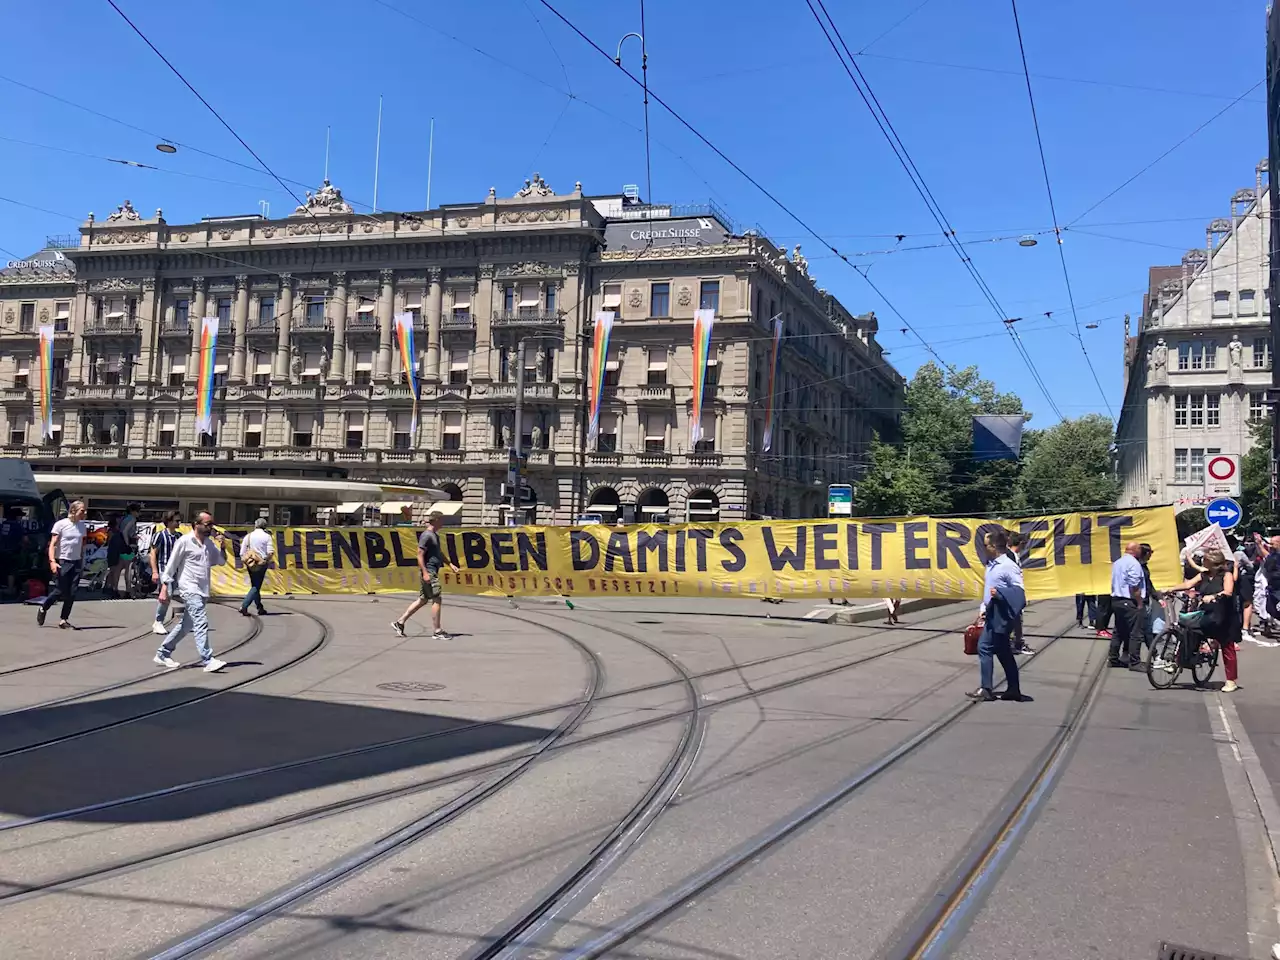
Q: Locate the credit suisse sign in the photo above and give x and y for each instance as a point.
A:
(682, 232)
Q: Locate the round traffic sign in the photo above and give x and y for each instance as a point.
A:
(1221, 469)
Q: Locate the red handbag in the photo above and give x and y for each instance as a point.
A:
(972, 634)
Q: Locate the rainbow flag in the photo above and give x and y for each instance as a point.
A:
(703, 321)
(46, 381)
(599, 359)
(775, 352)
(204, 382)
(409, 362)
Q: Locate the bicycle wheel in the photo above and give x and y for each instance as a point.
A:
(1204, 664)
(1162, 667)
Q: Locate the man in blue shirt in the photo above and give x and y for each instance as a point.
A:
(1128, 592)
(1003, 599)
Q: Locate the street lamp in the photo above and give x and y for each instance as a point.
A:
(1028, 241)
(166, 147)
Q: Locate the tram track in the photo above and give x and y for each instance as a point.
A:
(267, 907)
(112, 645)
(472, 726)
(20, 892)
(319, 644)
(979, 867)
(253, 633)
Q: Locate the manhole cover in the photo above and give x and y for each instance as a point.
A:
(410, 686)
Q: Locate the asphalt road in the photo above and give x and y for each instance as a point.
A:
(695, 779)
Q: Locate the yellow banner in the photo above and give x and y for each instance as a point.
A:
(901, 556)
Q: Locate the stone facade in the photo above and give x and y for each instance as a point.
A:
(1198, 368)
(309, 380)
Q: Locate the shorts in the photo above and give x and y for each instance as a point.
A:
(431, 590)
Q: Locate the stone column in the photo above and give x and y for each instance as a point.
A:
(338, 360)
(194, 316)
(284, 323)
(435, 299)
(484, 364)
(147, 370)
(385, 306)
(82, 317)
(240, 317)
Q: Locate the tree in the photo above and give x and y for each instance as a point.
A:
(1255, 480)
(1069, 467)
(933, 469)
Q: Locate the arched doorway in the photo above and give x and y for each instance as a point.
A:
(453, 490)
(653, 506)
(605, 503)
(702, 506)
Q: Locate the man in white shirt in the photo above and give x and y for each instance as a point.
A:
(188, 572)
(256, 551)
(66, 562)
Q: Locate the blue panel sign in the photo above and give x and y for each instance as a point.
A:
(1224, 511)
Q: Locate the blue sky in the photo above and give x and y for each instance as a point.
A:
(1116, 84)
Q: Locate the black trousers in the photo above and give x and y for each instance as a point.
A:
(1129, 633)
(65, 586)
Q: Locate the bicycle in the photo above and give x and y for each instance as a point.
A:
(1166, 661)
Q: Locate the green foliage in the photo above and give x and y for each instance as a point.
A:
(1070, 467)
(1255, 480)
(1066, 467)
(933, 471)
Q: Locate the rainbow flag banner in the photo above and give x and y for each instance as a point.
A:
(599, 360)
(703, 321)
(204, 382)
(45, 399)
(409, 363)
(775, 352)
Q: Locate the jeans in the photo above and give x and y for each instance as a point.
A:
(162, 610)
(194, 619)
(995, 646)
(1092, 601)
(1129, 633)
(65, 586)
(254, 595)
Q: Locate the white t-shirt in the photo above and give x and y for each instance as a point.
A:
(70, 536)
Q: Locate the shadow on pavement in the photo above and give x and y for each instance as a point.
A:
(230, 733)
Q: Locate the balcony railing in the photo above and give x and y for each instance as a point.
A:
(107, 327)
(11, 394)
(364, 322)
(105, 391)
(310, 324)
(175, 328)
(535, 321)
(263, 325)
(532, 391)
(457, 322)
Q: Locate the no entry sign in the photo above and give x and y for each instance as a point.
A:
(1222, 476)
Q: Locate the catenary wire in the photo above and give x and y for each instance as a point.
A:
(908, 164)
(1053, 213)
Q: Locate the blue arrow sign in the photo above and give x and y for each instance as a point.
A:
(1224, 511)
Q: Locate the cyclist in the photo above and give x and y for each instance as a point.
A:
(1214, 588)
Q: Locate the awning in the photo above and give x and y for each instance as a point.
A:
(655, 509)
(612, 301)
(365, 308)
(115, 315)
(602, 507)
(394, 506)
(447, 508)
(350, 507)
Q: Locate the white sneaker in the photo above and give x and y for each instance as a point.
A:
(442, 635)
(214, 665)
(167, 662)
(1230, 687)
(158, 627)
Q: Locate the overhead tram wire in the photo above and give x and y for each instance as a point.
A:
(1088, 210)
(753, 181)
(908, 164)
(1053, 212)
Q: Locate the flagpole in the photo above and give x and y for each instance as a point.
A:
(431, 147)
(327, 130)
(377, 156)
